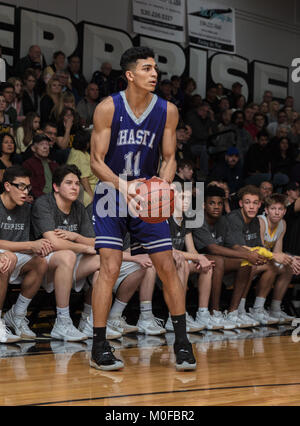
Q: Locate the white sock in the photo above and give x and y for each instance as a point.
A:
(87, 309)
(146, 309)
(275, 305)
(242, 305)
(259, 302)
(21, 305)
(63, 312)
(202, 310)
(117, 308)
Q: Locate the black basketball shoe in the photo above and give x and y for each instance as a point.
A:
(102, 357)
(185, 359)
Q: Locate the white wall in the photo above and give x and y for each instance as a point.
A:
(266, 30)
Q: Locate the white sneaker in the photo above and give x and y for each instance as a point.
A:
(237, 320)
(191, 325)
(206, 320)
(64, 330)
(281, 316)
(220, 319)
(151, 326)
(6, 335)
(86, 327)
(248, 319)
(261, 315)
(19, 323)
(119, 323)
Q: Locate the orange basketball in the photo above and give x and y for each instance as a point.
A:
(158, 204)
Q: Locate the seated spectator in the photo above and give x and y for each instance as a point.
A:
(265, 191)
(249, 122)
(291, 241)
(185, 171)
(236, 91)
(40, 166)
(7, 152)
(240, 103)
(58, 64)
(40, 86)
(68, 126)
(225, 137)
(282, 157)
(65, 81)
(211, 98)
(216, 239)
(50, 130)
(86, 107)
(80, 156)
(8, 92)
(177, 92)
(260, 122)
(60, 217)
(5, 124)
(31, 98)
(51, 104)
(189, 86)
(264, 109)
(257, 161)
(282, 119)
(224, 104)
(17, 103)
(202, 128)
(230, 169)
(33, 57)
(165, 91)
(78, 80)
(104, 80)
(268, 96)
(28, 256)
(220, 91)
(69, 100)
(183, 135)
(272, 115)
(26, 131)
(292, 192)
(243, 138)
(289, 102)
(295, 133)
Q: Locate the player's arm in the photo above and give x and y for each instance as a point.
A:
(297, 206)
(100, 140)
(75, 237)
(262, 226)
(168, 167)
(62, 244)
(278, 255)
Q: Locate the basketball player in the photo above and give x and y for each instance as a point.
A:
(130, 129)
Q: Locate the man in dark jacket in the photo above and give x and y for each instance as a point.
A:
(40, 166)
(230, 170)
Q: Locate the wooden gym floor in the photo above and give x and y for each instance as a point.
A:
(255, 367)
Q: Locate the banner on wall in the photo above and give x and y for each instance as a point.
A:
(211, 25)
(163, 19)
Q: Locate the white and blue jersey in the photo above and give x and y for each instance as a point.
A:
(134, 151)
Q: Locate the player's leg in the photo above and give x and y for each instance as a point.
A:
(263, 288)
(128, 282)
(175, 299)
(60, 277)
(102, 356)
(6, 335)
(147, 323)
(32, 273)
(183, 270)
(285, 274)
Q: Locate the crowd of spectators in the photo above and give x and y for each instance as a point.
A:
(46, 118)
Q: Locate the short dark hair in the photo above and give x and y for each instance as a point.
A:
(81, 140)
(13, 172)
(213, 191)
(49, 124)
(263, 133)
(40, 137)
(181, 164)
(58, 53)
(130, 56)
(61, 172)
(7, 86)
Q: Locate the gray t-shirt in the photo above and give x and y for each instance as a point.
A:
(244, 234)
(15, 223)
(219, 234)
(46, 217)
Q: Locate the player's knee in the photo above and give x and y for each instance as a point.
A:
(67, 257)
(110, 270)
(219, 262)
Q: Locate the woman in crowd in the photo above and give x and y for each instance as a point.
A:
(7, 152)
(5, 124)
(274, 108)
(52, 102)
(31, 98)
(26, 131)
(17, 104)
(58, 64)
(80, 156)
(282, 158)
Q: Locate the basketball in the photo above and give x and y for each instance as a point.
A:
(158, 203)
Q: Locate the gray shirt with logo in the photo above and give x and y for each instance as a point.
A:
(15, 223)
